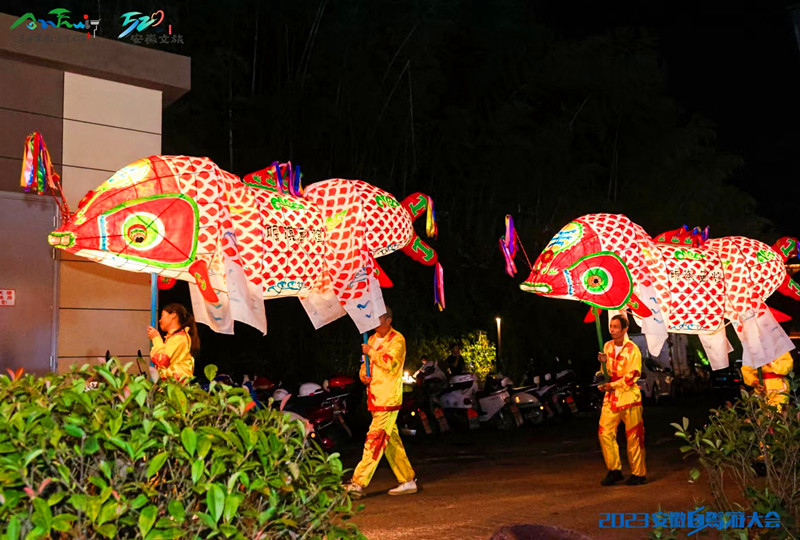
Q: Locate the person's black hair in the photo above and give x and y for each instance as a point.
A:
(186, 320)
(623, 320)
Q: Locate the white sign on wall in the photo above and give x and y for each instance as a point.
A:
(7, 297)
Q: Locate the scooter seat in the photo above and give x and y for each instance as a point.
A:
(483, 393)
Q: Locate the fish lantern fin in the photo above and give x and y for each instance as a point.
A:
(790, 288)
(165, 282)
(638, 307)
(199, 271)
(779, 315)
(601, 280)
(383, 279)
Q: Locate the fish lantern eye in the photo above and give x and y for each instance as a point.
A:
(142, 230)
(137, 233)
(597, 280)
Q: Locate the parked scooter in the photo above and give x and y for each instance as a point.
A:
(492, 406)
(496, 405)
(530, 406)
(421, 414)
(565, 388)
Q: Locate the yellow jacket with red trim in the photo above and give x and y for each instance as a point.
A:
(385, 390)
(774, 374)
(624, 369)
(172, 356)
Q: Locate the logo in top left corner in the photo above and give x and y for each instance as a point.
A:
(58, 18)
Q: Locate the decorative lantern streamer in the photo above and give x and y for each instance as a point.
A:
(431, 228)
(38, 173)
(438, 286)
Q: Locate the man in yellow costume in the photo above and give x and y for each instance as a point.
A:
(622, 403)
(386, 349)
(775, 387)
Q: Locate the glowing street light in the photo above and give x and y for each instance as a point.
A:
(499, 343)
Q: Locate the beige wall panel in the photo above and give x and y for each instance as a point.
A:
(86, 332)
(106, 148)
(93, 285)
(15, 126)
(111, 103)
(77, 182)
(26, 87)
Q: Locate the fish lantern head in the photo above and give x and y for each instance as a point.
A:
(574, 266)
(136, 220)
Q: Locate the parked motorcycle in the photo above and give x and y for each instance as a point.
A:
(323, 410)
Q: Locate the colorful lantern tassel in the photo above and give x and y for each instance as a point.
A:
(38, 173)
(511, 268)
(508, 246)
(430, 222)
(37, 169)
(438, 286)
(297, 185)
(511, 236)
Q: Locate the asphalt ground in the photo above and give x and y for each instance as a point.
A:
(473, 483)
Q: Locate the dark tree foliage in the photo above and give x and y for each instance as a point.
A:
(480, 104)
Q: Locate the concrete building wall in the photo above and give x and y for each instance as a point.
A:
(98, 104)
(106, 125)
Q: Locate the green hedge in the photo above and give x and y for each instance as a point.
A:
(99, 453)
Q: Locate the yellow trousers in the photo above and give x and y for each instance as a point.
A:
(634, 432)
(383, 437)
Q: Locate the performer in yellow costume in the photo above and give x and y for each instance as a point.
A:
(775, 387)
(172, 355)
(387, 353)
(622, 403)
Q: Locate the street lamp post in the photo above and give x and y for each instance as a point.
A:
(499, 345)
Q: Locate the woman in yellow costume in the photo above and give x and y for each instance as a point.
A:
(775, 387)
(172, 355)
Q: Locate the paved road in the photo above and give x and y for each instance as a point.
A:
(473, 483)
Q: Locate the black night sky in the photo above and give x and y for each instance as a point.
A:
(670, 112)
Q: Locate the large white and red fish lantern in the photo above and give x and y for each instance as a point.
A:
(242, 241)
(681, 282)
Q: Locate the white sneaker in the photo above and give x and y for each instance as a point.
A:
(406, 488)
(354, 490)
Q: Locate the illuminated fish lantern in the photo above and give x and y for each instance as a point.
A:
(682, 282)
(244, 241)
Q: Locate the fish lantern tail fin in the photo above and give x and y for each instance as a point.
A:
(786, 247)
(418, 250)
(790, 288)
(416, 204)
